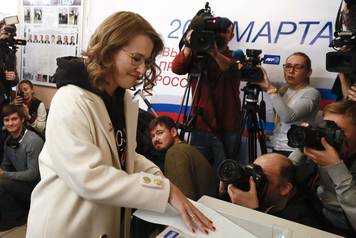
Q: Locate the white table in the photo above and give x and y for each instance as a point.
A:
(258, 223)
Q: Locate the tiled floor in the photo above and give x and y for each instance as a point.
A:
(17, 232)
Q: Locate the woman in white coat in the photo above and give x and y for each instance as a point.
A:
(89, 168)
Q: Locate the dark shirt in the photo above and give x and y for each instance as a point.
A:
(115, 107)
(219, 106)
(304, 208)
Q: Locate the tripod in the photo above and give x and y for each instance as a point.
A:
(197, 72)
(253, 119)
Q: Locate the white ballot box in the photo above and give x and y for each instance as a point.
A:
(259, 224)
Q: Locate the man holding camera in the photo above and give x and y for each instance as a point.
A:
(281, 197)
(216, 112)
(8, 74)
(336, 170)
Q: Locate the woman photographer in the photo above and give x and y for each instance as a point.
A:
(90, 173)
(295, 102)
(34, 109)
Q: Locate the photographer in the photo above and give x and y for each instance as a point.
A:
(217, 112)
(8, 73)
(282, 198)
(294, 103)
(34, 109)
(336, 169)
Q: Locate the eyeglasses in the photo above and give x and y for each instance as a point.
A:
(296, 67)
(137, 59)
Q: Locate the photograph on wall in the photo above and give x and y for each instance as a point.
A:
(52, 30)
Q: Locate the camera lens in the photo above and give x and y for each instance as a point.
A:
(296, 136)
(229, 171)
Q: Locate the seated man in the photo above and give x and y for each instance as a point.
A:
(184, 165)
(19, 170)
(336, 170)
(281, 197)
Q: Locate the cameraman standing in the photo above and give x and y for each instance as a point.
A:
(218, 108)
(336, 170)
(8, 74)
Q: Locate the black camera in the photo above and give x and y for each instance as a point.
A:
(8, 46)
(299, 136)
(250, 72)
(343, 60)
(206, 29)
(230, 172)
(20, 94)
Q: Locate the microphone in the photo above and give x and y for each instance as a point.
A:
(149, 105)
(240, 55)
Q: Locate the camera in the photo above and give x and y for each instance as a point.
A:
(230, 172)
(206, 29)
(8, 46)
(250, 72)
(299, 136)
(343, 60)
(20, 94)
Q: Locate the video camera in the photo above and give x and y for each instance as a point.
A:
(230, 172)
(300, 136)
(343, 60)
(10, 29)
(206, 29)
(8, 46)
(250, 72)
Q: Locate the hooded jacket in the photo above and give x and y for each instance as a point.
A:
(82, 185)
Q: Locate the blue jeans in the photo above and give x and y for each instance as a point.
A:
(216, 150)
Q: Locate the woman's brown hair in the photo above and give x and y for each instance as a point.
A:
(113, 34)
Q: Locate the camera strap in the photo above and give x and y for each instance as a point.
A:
(338, 21)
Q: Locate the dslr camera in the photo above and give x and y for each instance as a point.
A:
(230, 172)
(343, 60)
(299, 136)
(250, 72)
(206, 29)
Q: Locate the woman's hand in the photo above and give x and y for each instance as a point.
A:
(18, 101)
(192, 217)
(265, 84)
(26, 111)
(326, 157)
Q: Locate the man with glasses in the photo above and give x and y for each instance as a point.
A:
(295, 102)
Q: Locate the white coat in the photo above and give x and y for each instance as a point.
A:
(82, 186)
